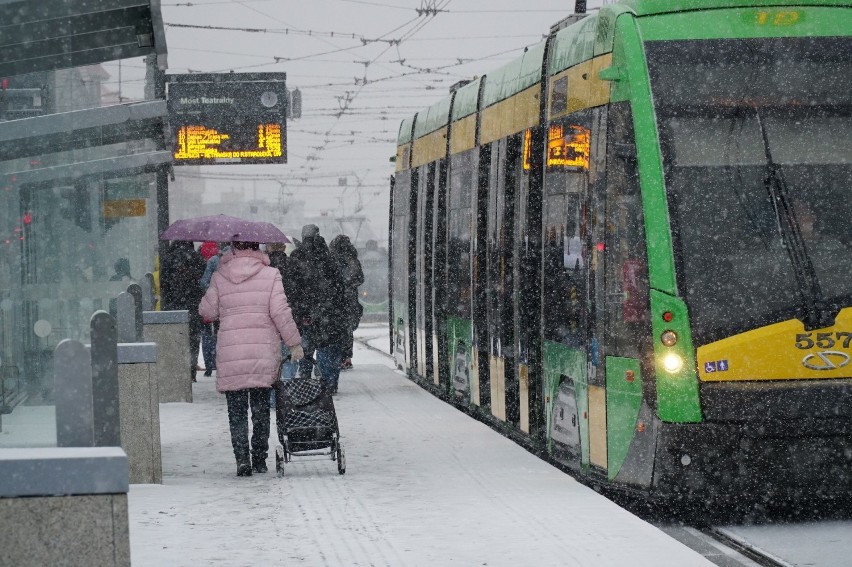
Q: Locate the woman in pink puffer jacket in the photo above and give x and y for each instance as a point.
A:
(247, 298)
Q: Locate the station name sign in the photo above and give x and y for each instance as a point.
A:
(228, 118)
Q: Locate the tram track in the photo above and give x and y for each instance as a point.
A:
(756, 555)
(721, 548)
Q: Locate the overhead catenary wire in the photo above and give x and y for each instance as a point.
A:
(388, 72)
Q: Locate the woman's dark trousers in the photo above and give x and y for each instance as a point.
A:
(238, 406)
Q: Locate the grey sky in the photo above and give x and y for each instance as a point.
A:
(344, 54)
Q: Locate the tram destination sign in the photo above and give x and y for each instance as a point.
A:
(228, 118)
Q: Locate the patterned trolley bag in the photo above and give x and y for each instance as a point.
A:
(306, 421)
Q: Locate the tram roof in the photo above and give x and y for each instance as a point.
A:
(433, 118)
(573, 44)
(650, 7)
(514, 76)
(404, 135)
(467, 98)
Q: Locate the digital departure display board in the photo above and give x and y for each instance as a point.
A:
(228, 118)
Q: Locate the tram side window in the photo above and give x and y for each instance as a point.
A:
(462, 180)
(564, 250)
(627, 305)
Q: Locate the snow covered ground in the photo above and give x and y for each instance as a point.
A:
(425, 485)
(376, 335)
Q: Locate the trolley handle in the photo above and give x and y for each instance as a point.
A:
(309, 358)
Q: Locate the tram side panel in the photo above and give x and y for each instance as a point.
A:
(527, 317)
(390, 270)
(422, 263)
(461, 206)
(427, 288)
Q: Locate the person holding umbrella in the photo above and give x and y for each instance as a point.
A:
(247, 298)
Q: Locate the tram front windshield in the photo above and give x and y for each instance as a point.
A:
(756, 139)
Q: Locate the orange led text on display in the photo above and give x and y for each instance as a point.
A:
(571, 150)
(568, 149)
(200, 142)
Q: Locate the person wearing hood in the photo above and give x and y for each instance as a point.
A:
(319, 305)
(278, 259)
(247, 298)
(345, 255)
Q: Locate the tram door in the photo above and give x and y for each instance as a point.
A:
(411, 275)
(438, 337)
(527, 315)
(481, 391)
(622, 320)
(423, 268)
(569, 351)
(500, 272)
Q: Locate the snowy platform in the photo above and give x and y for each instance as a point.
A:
(425, 485)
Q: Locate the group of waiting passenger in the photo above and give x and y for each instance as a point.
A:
(244, 302)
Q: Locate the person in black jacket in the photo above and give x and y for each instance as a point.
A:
(318, 304)
(346, 256)
(183, 268)
(279, 260)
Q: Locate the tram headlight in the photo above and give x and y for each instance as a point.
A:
(669, 338)
(672, 362)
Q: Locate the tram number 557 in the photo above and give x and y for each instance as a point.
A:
(807, 341)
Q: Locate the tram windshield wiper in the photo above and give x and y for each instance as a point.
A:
(816, 313)
(735, 171)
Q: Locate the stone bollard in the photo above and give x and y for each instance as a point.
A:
(170, 330)
(139, 404)
(74, 407)
(64, 506)
(105, 406)
(128, 315)
(86, 378)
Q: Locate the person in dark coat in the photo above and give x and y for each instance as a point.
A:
(279, 260)
(183, 269)
(346, 256)
(319, 304)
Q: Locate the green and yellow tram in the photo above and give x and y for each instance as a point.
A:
(630, 247)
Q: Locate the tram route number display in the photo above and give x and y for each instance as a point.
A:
(228, 119)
